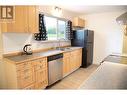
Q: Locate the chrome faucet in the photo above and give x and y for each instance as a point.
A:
(59, 46)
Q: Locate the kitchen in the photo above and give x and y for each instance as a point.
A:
(35, 55)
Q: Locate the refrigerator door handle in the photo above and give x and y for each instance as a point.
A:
(87, 33)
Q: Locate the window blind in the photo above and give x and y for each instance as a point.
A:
(42, 35)
(69, 32)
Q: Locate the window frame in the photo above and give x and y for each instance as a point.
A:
(57, 19)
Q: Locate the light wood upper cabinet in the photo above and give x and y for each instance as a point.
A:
(78, 22)
(19, 24)
(25, 20)
(33, 19)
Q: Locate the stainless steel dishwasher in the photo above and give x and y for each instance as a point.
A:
(55, 68)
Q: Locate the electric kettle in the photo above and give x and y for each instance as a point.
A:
(27, 49)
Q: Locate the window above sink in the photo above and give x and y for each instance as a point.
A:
(55, 27)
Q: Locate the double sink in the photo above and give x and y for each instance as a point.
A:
(64, 48)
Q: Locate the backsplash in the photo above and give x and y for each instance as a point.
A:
(13, 42)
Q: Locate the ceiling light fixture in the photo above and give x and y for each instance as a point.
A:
(56, 11)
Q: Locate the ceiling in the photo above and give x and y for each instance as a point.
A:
(94, 9)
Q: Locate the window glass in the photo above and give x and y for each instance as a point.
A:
(61, 29)
(55, 28)
(51, 27)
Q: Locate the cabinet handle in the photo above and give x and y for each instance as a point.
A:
(42, 82)
(41, 66)
(24, 65)
(26, 77)
(26, 70)
(41, 61)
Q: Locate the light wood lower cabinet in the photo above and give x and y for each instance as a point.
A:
(25, 78)
(27, 75)
(33, 74)
(71, 61)
(41, 74)
(66, 63)
(41, 79)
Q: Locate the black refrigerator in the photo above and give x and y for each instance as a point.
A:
(85, 39)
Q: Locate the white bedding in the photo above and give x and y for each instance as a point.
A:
(108, 76)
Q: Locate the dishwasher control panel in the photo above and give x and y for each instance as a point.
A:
(54, 57)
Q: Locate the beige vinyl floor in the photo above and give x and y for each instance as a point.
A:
(74, 80)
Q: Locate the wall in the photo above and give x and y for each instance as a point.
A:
(108, 35)
(13, 42)
(65, 13)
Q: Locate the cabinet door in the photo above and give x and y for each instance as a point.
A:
(41, 78)
(19, 24)
(33, 19)
(79, 58)
(66, 66)
(73, 60)
(25, 20)
(78, 22)
(26, 78)
(81, 22)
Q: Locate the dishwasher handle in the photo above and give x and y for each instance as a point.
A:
(54, 57)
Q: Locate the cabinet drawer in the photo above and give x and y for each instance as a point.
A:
(25, 80)
(40, 60)
(23, 66)
(40, 64)
(25, 72)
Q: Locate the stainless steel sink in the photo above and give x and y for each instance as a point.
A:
(64, 48)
